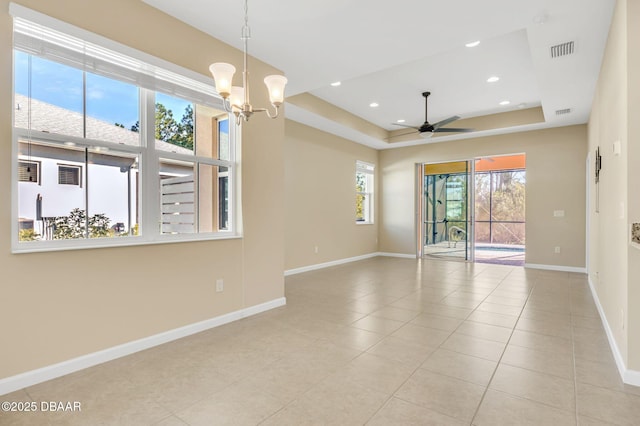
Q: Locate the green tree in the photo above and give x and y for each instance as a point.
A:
(168, 129)
(361, 183)
(166, 126)
(186, 128)
(501, 194)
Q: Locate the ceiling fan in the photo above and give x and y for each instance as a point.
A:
(427, 129)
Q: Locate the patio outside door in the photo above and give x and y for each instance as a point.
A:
(445, 213)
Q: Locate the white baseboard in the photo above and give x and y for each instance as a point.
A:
(328, 264)
(29, 378)
(401, 255)
(630, 377)
(556, 268)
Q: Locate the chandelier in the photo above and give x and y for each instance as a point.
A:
(236, 99)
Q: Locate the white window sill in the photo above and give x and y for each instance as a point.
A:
(97, 243)
(365, 223)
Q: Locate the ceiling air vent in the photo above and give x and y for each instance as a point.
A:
(562, 49)
(563, 111)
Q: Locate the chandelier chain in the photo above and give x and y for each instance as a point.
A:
(246, 30)
(236, 100)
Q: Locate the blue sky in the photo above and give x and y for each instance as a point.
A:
(107, 100)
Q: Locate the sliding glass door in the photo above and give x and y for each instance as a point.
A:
(446, 220)
(472, 210)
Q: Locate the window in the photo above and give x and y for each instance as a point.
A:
(69, 175)
(82, 132)
(364, 192)
(29, 171)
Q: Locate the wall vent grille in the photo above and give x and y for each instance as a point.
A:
(563, 111)
(562, 49)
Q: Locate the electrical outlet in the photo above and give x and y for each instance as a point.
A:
(315, 249)
(219, 285)
(557, 249)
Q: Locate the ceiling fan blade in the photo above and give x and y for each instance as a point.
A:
(452, 130)
(445, 121)
(406, 125)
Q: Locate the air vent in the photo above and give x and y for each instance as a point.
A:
(562, 49)
(563, 111)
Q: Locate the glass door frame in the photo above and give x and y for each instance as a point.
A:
(420, 215)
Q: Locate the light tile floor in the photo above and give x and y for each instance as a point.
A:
(384, 341)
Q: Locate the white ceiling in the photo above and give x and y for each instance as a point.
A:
(389, 52)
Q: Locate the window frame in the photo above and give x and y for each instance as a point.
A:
(78, 171)
(149, 230)
(38, 174)
(368, 169)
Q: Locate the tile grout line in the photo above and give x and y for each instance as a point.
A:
(392, 395)
(475, 414)
(440, 345)
(573, 356)
(420, 365)
(360, 354)
(415, 370)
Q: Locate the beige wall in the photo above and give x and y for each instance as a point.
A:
(331, 112)
(608, 123)
(555, 181)
(60, 305)
(633, 179)
(614, 266)
(320, 198)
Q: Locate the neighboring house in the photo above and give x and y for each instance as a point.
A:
(52, 181)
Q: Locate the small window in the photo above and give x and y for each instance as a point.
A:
(364, 192)
(69, 175)
(29, 171)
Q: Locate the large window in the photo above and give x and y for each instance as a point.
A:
(105, 162)
(364, 192)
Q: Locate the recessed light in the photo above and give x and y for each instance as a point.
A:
(505, 103)
(69, 143)
(493, 79)
(473, 43)
(400, 121)
(374, 104)
(336, 83)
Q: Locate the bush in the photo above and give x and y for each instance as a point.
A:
(73, 226)
(28, 235)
